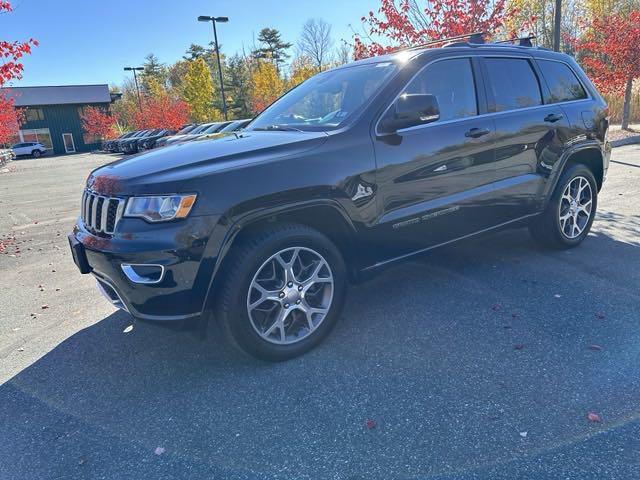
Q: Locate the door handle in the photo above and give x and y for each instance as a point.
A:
(477, 132)
(553, 117)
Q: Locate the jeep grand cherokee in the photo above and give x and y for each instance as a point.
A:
(357, 167)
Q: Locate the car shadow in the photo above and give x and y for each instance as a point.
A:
(438, 366)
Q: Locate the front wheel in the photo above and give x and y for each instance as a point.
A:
(566, 221)
(36, 154)
(283, 292)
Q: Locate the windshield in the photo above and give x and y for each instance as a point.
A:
(186, 129)
(325, 101)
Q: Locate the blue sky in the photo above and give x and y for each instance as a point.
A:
(89, 41)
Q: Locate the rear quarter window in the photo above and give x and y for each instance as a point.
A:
(563, 84)
(512, 84)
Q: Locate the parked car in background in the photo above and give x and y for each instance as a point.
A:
(183, 131)
(212, 129)
(132, 145)
(233, 126)
(6, 155)
(119, 145)
(149, 141)
(34, 149)
(109, 145)
(180, 138)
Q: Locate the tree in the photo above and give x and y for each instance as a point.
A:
(266, 85)
(238, 87)
(272, 47)
(161, 112)
(609, 52)
(197, 91)
(344, 53)
(154, 75)
(98, 123)
(405, 23)
(316, 42)
(11, 68)
(302, 68)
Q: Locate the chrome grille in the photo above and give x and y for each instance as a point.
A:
(100, 213)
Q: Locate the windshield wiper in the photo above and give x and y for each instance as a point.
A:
(277, 126)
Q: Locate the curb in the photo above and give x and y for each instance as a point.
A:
(625, 141)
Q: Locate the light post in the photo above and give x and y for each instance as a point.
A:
(135, 79)
(214, 20)
(556, 25)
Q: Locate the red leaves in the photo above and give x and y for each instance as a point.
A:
(406, 22)
(594, 417)
(609, 50)
(161, 112)
(370, 424)
(98, 123)
(10, 118)
(11, 52)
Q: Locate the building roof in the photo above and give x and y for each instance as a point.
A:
(58, 95)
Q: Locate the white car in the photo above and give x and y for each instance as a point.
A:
(34, 149)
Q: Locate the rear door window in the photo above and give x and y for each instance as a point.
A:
(563, 84)
(512, 83)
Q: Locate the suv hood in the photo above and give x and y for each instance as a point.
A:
(157, 170)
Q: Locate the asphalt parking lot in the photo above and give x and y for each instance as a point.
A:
(481, 360)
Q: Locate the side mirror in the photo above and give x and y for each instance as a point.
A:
(410, 110)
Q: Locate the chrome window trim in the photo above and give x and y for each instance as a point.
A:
(482, 115)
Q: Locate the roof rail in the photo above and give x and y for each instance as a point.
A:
(522, 41)
(475, 37)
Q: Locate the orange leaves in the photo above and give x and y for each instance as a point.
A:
(98, 123)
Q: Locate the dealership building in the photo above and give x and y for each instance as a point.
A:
(52, 115)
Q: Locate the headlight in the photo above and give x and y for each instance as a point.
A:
(160, 208)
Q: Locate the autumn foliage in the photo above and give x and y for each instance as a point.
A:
(609, 51)
(10, 68)
(161, 112)
(98, 123)
(402, 23)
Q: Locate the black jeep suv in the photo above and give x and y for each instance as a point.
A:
(357, 167)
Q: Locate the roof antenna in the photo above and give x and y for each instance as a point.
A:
(477, 38)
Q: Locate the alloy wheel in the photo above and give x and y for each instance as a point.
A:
(575, 207)
(290, 295)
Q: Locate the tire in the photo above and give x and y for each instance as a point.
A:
(566, 221)
(250, 316)
(36, 154)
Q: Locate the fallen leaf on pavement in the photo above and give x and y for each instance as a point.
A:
(600, 316)
(594, 417)
(519, 346)
(595, 347)
(370, 424)
(159, 450)
(45, 306)
(523, 434)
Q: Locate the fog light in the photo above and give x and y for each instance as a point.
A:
(143, 273)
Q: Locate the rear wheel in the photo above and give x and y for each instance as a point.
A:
(566, 221)
(283, 292)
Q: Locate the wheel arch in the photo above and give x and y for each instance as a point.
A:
(326, 216)
(588, 154)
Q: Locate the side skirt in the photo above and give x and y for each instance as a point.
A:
(384, 263)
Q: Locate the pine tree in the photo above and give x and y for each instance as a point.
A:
(272, 47)
(237, 87)
(154, 75)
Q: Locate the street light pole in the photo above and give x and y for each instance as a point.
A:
(135, 79)
(214, 20)
(556, 26)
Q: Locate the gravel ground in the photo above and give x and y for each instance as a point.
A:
(481, 360)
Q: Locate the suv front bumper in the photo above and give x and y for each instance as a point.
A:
(184, 253)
